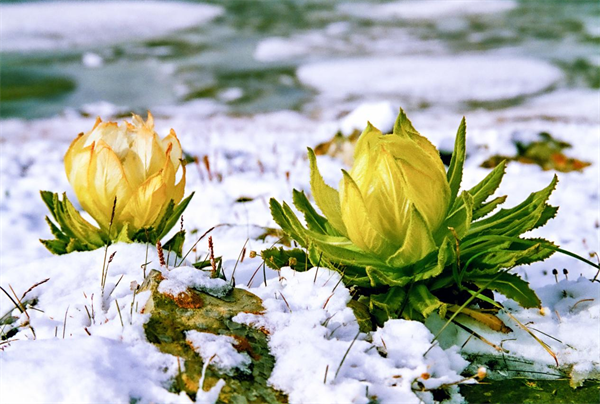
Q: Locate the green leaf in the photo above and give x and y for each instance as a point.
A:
(58, 247)
(326, 197)
(460, 219)
(385, 277)
(517, 220)
(174, 217)
(548, 213)
(455, 170)
(207, 263)
(389, 302)
(488, 207)
(276, 258)
(486, 188)
(281, 218)
(314, 221)
(510, 285)
(352, 274)
(73, 232)
(56, 232)
(422, 301)
(446, 255)
(175, 243)
(342, 250)
(49, 198)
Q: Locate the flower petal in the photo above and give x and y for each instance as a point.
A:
(417, 244)
(105, 180)
(359, 225)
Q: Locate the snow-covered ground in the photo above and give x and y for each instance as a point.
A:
(78, 347)
(257, 168)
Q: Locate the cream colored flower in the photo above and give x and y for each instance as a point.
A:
(394, 198)
(128, 162)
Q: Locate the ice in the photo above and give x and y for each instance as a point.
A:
(26, 26)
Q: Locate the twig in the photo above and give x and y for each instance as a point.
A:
(65, 322)
(161, 254)
(12, 300)
(239, 259)
(286, 303)
(34, 286)
(19, 301)
(119, 311)
(211, 251)
(196, 243)
(326, 371)
(318, 265)
(104, 268)
(346, 354)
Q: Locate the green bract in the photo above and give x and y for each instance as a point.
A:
(401, 233)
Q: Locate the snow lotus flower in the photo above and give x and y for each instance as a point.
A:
(395, 196)
(404, 237)
(128, 163)
(126, 178)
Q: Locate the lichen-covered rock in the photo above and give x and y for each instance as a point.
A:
(173, 317)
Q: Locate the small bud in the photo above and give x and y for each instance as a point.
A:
(555, 273)
(293, 261)
(481, 373)
(566, 273)
(252, 254)
(425, 376)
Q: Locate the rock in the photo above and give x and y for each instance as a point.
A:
(172, 316)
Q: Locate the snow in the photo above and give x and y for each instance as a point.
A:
(178, 280)
(311, 329)
(427, 9)
(218, 350)
(26, 26)
(104, 355)
(382, 115)
(465, 78)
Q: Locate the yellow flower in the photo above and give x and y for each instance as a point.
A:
(128, 162)
(394, 198)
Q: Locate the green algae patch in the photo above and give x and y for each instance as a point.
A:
(172, 316)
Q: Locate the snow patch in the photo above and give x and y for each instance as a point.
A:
(465, 78)
(178, 280)
(311, 330)
(26, 26)
(219, 350)
(427, 9)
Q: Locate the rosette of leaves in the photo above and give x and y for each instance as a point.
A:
(124, 176)
(402, 234)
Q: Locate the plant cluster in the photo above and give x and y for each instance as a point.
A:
(125, 177)
(403, 235)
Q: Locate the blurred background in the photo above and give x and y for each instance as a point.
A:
(320, 58)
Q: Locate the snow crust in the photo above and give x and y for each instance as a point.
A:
(26, 26)
(465, 78)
